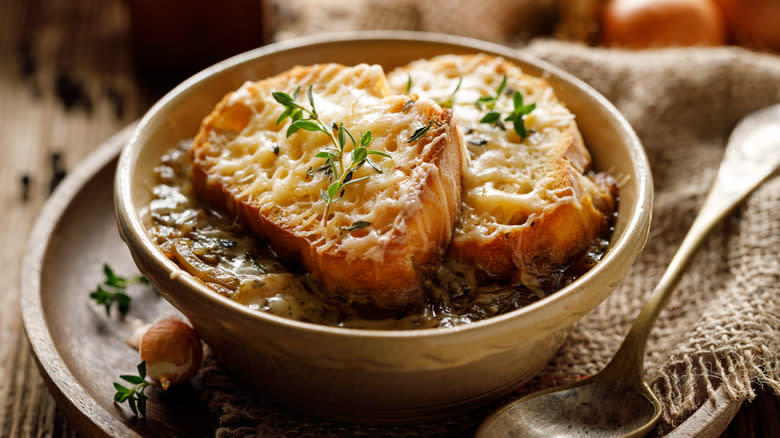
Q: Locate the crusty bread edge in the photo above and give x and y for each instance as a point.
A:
(557, 234)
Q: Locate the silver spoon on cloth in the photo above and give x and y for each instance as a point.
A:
(617, 402)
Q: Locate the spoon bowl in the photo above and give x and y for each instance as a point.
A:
(617, 401)
(599, 407)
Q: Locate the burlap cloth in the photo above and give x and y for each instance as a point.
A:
(721, 327)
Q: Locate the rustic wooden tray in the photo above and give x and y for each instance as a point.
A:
(80, 351)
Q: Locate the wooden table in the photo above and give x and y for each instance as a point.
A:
(67, 83)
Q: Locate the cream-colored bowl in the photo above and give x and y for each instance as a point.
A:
(368, 375)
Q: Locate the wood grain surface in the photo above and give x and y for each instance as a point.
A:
(67, 84)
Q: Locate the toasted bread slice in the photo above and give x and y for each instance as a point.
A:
(529, 204)
(244, 164)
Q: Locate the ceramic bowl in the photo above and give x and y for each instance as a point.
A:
(370, 375)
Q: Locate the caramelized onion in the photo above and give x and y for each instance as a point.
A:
(182, 251)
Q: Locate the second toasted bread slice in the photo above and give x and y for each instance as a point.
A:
(530, 203)
(386, 232)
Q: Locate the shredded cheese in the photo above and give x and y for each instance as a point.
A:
(506, 179)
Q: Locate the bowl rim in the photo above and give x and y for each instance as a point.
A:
(134, 232)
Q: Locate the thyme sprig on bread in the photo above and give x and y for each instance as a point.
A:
(334, 168)
(450, 101)
(421, 131)
(519, 110)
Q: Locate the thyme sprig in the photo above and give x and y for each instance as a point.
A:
(450, 101)
(518, 112)
(421, 131)
(114, 290)
(517, 116)
(490, 101)
(134, 395)
(357, 225)
(334, 168)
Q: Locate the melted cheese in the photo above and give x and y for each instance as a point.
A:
(506, 179)
(261, 166)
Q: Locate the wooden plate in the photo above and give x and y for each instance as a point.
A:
(80, 351)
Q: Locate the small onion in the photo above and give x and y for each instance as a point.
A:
(172, 351)
(639, 24)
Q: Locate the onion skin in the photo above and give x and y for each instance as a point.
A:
(172, 351)
(640, 24)
(753, 23)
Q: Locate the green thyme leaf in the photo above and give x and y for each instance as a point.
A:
(112, 279)
(285, 114)
(501, 87)
(133, 406)
(297, 114)
(519, 126)
(134, 395)
(142, 404)
(517, 116)
(131, 378)
(333, 190)
(420, 132)
(450, 101)
(353, 181)
(366, 138)
(517, 100)
(408, 83)
(357, 225)
(283, 98)
(359, 154)
(307, 125)
(518, 113)
(380, 153)
(342, 136)
(311, 102)
(113, 290)
(292, 129)
(490, 101)
(123, 303)
(354, 143)
(491, 117)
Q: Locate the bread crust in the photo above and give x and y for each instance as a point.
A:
(553, 236)
(528, 248)
(421, 220)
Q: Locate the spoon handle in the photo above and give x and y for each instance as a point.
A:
(753, 153)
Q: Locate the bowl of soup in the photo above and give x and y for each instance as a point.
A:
(347, 362)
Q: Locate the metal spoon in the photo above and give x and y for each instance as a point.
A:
(617, 401)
